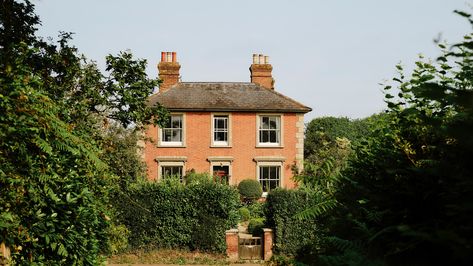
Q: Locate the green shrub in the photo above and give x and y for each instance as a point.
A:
(117, 238)
(256, 209)
(292, 235)
(255, 226)
(244, 214)
(193, 177)
(250, 189)
(168, 214)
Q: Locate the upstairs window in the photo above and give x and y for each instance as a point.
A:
(269, 130)
(172, 132)
(220, 130)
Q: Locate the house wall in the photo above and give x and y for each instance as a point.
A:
(243, 150)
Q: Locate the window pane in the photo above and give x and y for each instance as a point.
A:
(272, 137)
(220, 123)
(176, 121)
(265, 136)
(167, 134)
(273, 123)
(176, 135)
(220, 136)
(264, 122)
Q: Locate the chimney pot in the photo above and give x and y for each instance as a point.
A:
(163, 56)
(261, 59)
(174, 57)
(255, 59)
(266, 59)
(168, 57)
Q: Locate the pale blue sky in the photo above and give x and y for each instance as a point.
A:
(329, 55)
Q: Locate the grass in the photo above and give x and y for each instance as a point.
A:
(168, 256)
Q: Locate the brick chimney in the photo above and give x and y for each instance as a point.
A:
(261, 71)
(168, 70)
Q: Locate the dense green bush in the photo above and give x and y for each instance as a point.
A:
(193, 177)
(170, 214)
(255, 226)
(250, 189)
(256, 209)
(292, 235)
(244, 214)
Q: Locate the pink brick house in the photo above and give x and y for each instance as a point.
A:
(236, 130)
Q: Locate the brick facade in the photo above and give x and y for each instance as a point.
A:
(242, 151)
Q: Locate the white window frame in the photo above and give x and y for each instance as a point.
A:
(227, 143)
(266, 163)
(281, 133)
(182, 143)
(165, 164)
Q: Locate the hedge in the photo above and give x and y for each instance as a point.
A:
(292, 235)
(169, 214)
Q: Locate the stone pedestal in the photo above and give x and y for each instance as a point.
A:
(4, 255)
(231, 237)
(267, 243)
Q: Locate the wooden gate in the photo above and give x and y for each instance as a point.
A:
(250, 248)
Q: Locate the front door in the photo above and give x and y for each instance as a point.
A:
(221, 173)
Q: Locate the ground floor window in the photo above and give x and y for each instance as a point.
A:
(269, 177)
(171, 169)
(168, 171)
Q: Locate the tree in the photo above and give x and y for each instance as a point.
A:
(328, 145)
(410, 194)
(55, 105)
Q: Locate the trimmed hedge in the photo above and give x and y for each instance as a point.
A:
(292, 235)
(169, 214)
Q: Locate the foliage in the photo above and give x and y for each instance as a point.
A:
(410, 194)
(292, 234)
(250, 189)
(170, 214)
(49, 178)
(194, 177)
(322, 130)
(118, 238)
(256, 209)
(255, 226)
(55, 179)
(244, 214)
(122, 154)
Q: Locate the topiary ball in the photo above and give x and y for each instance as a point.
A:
(250, 189)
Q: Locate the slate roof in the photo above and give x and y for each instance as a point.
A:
(225, 96)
